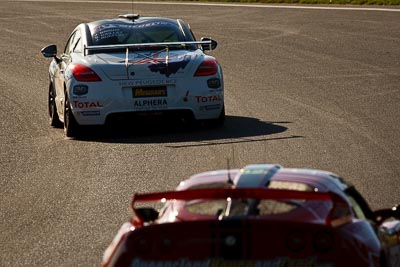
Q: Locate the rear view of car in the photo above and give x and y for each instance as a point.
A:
(130, 67)
(261, 215)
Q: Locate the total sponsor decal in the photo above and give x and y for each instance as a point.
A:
(87, 104)
(203, 99)
(208, 99)
(278, 262)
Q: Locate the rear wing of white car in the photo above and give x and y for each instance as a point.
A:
(165, 45)
(206, 45)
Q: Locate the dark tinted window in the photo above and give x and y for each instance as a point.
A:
(74, 43)
(77, 45)
(145, 32)
(69, 45)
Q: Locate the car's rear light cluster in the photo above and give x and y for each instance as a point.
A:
(208, 67)
(322, 241)
(83, 73)
(144, 244)
(296, 241)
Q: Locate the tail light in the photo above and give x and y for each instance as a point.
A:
(84, 74)
(296, 241)
(323, 242)
(208, 67)
(166, 244)
(142, 244)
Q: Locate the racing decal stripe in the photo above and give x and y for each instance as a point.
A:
(256, 175)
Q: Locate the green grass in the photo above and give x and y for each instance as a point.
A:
(342, 2)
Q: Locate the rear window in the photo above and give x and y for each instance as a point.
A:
(290, 186)
(270, 207)
(240, 207)
(213, 207)
(147, 32)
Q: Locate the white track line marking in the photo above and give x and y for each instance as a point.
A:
(352, 8)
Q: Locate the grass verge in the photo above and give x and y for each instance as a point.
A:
(341, 2)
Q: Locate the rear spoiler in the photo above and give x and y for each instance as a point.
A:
(339, 214)
(165, 45)
(146, 45)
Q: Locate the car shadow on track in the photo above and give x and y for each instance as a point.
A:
(235, 127)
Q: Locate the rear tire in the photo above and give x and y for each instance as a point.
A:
(219, 122)
(54, 120)
(222, 116)
(71, 127)
(212, 123)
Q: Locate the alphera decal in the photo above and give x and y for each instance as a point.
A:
(150, 104)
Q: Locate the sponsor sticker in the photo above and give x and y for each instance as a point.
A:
(158, 91)
(142, 82)
(90, 113)
(208, 99)
(150, 104)
(87, 104)
(210, 107)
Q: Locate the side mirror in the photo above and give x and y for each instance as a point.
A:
(382, 215)
(147, 214)
(211, 46)
(49, 51)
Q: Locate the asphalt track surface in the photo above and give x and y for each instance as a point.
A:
(304, 88)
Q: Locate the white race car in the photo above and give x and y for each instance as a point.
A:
(131, 67)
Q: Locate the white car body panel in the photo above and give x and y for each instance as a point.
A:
(114, 93)
(137, 81)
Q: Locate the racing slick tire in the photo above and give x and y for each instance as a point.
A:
(53, 115)
(71, 127)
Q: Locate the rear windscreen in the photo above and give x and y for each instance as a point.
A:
(240, 207)
(148, 32)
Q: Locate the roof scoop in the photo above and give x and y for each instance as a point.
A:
(129, 16)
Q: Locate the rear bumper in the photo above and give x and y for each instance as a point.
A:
(100, 117)
(235, 243)
(107, 102)
(153, 116)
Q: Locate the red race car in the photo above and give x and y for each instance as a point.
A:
(263, 215)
